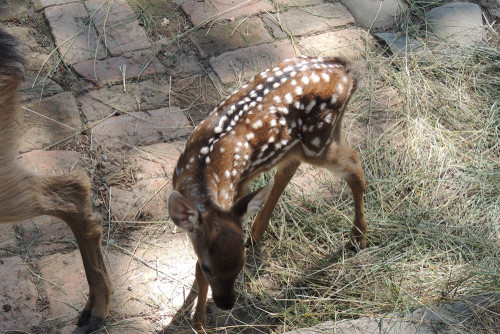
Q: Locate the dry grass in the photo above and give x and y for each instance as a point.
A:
(430, 150)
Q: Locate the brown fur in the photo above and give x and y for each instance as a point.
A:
(25, 195)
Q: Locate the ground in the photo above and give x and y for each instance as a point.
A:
(115, 87)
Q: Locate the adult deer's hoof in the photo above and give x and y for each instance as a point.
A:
(87, 323)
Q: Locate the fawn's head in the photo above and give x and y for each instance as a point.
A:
(218, 239)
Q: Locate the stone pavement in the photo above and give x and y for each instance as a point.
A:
(105, 96)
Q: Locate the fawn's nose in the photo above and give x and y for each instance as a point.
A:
(224, 303)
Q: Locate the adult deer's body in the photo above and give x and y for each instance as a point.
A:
(285, 116)
(25, 195)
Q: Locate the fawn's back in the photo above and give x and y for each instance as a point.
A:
(293, 109)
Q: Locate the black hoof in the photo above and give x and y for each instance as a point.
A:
(84, 318)
(88, 324)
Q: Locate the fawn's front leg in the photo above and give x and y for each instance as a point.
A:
(281, 179)
(200, 314)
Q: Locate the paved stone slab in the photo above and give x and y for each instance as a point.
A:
(149, 278)
(20, 294)
(218, 10)
(65, 284)
(222, 37)
(47, 3)
(376, 14)
(153, 166)
(144, 95)
(45, 235)
(308, 20)
(137, 64)
(347, 43)
(54, 118)
(7, 237)
(115, 22)
(13, 10)
(77, 41)
(156, 160)
(400, 45)
(458, 23)
(51, 162)
(43, 88)
(145, 200)
(297, 3)
(141, 128)
(247, 62)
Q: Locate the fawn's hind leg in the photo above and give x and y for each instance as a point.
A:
(345, 162)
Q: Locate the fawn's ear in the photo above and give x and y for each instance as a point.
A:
(251, 203)
(183, 212)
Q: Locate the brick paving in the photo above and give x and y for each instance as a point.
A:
(117, 104)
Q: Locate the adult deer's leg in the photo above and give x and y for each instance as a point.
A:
(282, 178)
(67, 197)
(24, 195)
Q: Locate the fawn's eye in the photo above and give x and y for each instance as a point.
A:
(206, 270)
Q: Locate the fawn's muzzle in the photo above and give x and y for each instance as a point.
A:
(225, 303)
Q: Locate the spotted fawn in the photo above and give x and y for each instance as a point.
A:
(287, 115)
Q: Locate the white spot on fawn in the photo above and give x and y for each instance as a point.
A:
(288, 97)
(250, 136)
(204, 150)
(325, 76)
(310, 106)
(257, 124)
(284, 110)
(340, 88)
(227, 173)
(305, 80)
(316, 142)
(298, 90)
